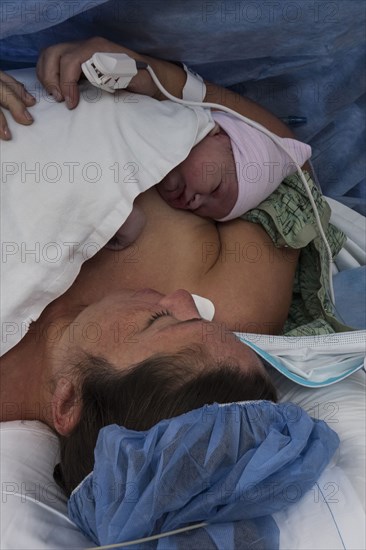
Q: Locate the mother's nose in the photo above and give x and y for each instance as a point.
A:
(181, 304)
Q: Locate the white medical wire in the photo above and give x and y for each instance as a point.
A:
(276, 140)
(315, 176)
(153, 537)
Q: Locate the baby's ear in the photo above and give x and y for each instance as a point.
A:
(215, 130)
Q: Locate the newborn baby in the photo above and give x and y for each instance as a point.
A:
(231, 171)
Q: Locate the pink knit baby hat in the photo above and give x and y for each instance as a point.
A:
(261, 165)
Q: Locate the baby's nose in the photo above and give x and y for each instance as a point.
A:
(195, 202)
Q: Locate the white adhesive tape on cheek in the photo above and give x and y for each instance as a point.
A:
(205, 307)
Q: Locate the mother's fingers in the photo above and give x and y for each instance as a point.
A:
(11, 101)
(4, 129)
(15, 98)
(18, 89)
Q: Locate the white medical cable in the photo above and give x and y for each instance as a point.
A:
(276, 140)
(148, 539)
(315, 176)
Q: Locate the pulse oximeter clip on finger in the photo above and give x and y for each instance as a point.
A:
(114, 71)
(111, 72)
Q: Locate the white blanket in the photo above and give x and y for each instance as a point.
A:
(68, 183)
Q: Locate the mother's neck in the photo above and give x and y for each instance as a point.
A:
(21, 379)
(25, 371)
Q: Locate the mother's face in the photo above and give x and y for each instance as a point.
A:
(130, 326)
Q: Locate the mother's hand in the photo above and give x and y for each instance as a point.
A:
(15, 98)
(59, 68)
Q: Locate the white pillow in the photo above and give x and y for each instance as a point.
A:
(69, 181)
(33, 508)
(328, 516)
(330, 513)
(343, 407)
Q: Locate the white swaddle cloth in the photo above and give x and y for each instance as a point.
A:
(69, 182)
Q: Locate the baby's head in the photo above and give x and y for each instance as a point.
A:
(231, 170)
(206, 181)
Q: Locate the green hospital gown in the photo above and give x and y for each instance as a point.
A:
(289, 220)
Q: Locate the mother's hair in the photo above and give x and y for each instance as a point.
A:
(159, 387)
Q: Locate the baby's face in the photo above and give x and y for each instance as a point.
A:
(206, 181)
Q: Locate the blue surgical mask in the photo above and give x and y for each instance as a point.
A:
(311, 361)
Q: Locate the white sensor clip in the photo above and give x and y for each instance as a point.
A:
(110, 71)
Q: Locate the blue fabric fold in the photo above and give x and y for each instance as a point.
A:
(230, 465)
(25, 17)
